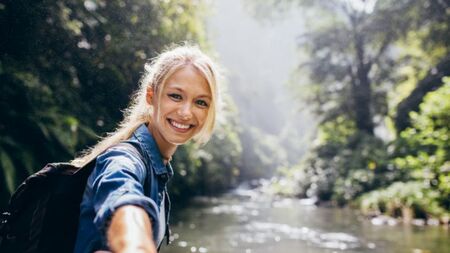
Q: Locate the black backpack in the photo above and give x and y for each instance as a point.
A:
(43, 213)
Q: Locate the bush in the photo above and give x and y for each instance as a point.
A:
(414, 195)
(423, 149)
(345, 164)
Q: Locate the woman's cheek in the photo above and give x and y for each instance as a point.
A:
(204, 116)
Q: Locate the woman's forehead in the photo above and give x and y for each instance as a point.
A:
(188, 78)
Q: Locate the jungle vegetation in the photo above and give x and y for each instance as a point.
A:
(68, 69)
(377, 74)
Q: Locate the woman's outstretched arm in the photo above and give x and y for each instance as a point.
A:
(130, 231)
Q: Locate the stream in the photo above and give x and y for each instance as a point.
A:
(249, 222)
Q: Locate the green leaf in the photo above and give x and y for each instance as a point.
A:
(8, 170)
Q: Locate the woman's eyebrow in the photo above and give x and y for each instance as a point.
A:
(204, 96)
(173, 87)
(182, 90)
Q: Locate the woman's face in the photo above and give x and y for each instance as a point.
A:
(184, 106)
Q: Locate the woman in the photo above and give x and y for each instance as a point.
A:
(125, 205)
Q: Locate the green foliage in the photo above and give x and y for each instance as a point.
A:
(345, 166)
(346, 163)
(67, 68)
(352, 59)
(422, 152)
(9, 172)
(423, 149)
(423, 200)
(336, 132)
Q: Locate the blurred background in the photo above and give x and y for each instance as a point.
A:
(334, 135)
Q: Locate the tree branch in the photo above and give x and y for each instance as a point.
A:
(431, 82)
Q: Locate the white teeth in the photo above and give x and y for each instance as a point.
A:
(178, 125)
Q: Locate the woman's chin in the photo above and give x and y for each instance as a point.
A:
(179, 141)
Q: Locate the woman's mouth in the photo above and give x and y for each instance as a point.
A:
(180, 127)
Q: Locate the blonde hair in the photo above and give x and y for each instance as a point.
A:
(157, 71)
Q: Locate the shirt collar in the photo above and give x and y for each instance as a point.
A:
(151, 148)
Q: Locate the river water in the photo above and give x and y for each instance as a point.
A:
(247, 222)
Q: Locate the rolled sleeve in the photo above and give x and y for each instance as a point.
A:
(117, 181)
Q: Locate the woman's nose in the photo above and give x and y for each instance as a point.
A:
(185, 111)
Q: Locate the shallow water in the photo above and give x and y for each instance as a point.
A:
(250, 223)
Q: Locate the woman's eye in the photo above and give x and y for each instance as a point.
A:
(202, 103)
(175, 96)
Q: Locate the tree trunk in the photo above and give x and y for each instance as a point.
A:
(361, 90)
(362, 95)
(431, 82)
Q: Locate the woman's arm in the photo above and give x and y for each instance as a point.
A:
(130, 231)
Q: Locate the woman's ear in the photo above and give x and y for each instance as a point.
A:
(149, 95)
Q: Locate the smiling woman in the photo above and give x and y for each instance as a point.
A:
(125, 206)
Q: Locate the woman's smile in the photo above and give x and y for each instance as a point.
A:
(182, 107)
(180, 127)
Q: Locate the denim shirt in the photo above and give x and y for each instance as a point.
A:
(121, 177)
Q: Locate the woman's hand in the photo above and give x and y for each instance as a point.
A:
(130, 231)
